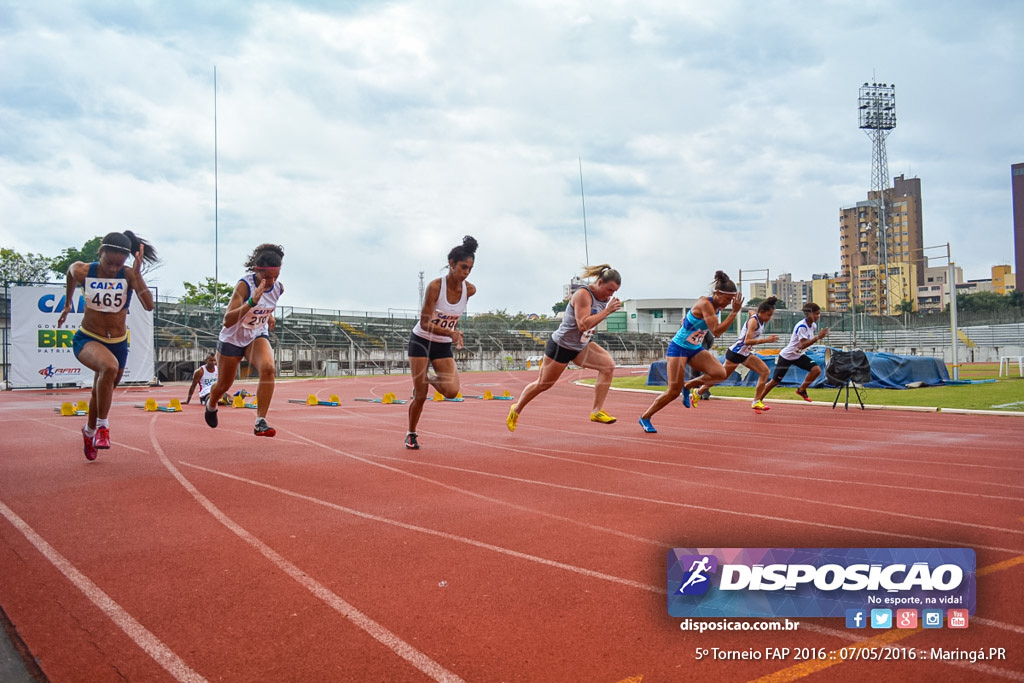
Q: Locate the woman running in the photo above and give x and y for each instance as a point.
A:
(572, 342)
(101, 344)
(687, 345)
(248, 323)
(437, 331)
(741, 353)
(805, 335)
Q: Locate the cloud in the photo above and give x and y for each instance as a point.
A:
(368, 138)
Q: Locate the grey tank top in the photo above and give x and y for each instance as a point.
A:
(568, 335)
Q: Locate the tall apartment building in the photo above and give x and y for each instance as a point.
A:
(1017, 189)
(861, 246)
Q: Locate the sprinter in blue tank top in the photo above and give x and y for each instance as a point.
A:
(688, 345)
(101, 344)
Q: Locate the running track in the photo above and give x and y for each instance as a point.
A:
(330, 553)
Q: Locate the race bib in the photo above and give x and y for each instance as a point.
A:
(445, 320)
(696, 337)
(257, 318)
(106, 295)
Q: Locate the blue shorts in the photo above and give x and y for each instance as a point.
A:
(677, 351)
(234, 351)
(119, 349)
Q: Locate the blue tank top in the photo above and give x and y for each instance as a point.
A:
(691, 334)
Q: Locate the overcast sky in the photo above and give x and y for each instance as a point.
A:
(367, 137)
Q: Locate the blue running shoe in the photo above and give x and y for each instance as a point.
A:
(686, 398)
(648, 427)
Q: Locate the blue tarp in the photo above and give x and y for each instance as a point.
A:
(888, 371)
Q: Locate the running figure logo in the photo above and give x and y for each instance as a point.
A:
(696, 581)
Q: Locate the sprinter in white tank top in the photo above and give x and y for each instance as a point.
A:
(247, 323)
(437, 332)
(204, 378)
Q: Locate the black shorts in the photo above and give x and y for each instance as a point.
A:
(431, 350)
(782, 365)
(559, 354)
(737, 358)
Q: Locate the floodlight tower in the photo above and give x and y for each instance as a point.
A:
(877, 103)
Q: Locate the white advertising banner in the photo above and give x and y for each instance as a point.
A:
(41, 353)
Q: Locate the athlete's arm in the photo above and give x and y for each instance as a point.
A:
(76, 275)
(581, 303)
(196, 376)
(239, 304)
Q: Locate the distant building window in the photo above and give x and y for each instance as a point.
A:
(658, 314)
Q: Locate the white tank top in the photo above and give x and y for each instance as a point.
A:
(445, 314)
(207, 381)
(254, 322)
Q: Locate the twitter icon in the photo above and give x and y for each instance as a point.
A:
(881, 618)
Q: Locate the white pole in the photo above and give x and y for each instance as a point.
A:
(952, 315)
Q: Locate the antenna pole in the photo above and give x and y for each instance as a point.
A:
(216, 217)
(586, 248)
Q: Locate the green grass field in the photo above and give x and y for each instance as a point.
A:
(1002, 394)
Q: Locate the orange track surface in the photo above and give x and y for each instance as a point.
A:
(331, 553)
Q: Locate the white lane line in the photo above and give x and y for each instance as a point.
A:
(138, 633)
(702, 508)
(590, 573)
(381, 634)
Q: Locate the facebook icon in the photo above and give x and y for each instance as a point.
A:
(856, 618)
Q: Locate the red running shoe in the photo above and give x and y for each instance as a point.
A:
(802, 393)
(89, 448)
(102, 438)
(263, 429)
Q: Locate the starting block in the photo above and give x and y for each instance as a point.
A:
(312, 400)
(239, 402)
(150, 406)
(488, 396)
(438, 396)
(387, 398)
(68, 409)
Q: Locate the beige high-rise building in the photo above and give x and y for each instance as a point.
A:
(861, 245)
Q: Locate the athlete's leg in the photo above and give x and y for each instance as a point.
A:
(98, 358)
(227, 368)
(595, 357)
(261, 357)
(757, 365)
(447, 380)
(550, 371)
(675, 368)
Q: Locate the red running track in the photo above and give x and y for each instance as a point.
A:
(331, 553)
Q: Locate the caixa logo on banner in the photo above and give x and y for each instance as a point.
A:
(816, 582)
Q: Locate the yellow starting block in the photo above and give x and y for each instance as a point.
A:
(239, 402)
(388, 398)
(440, 397)
(68, 409)
(312, 400)
(488, 396)
(151, 406)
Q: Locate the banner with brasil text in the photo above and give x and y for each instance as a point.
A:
(41, 353)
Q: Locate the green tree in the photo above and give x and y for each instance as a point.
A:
(982, 302)
(905, 306)
(207, 293)
(87, 254)
(15, 267)
(559, 307)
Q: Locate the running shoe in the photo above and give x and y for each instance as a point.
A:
(705, 395)
(686, 398)
(648, 427)
(88, 447)
(210, 416)
(694, 397)
(759, 406)
(102, 438)
(411, 443)
(602, 417)
(802, 393)
(262, 428)
(513, 418)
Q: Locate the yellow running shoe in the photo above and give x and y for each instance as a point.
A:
(602, 417)
(758, 406)
(513, 418)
